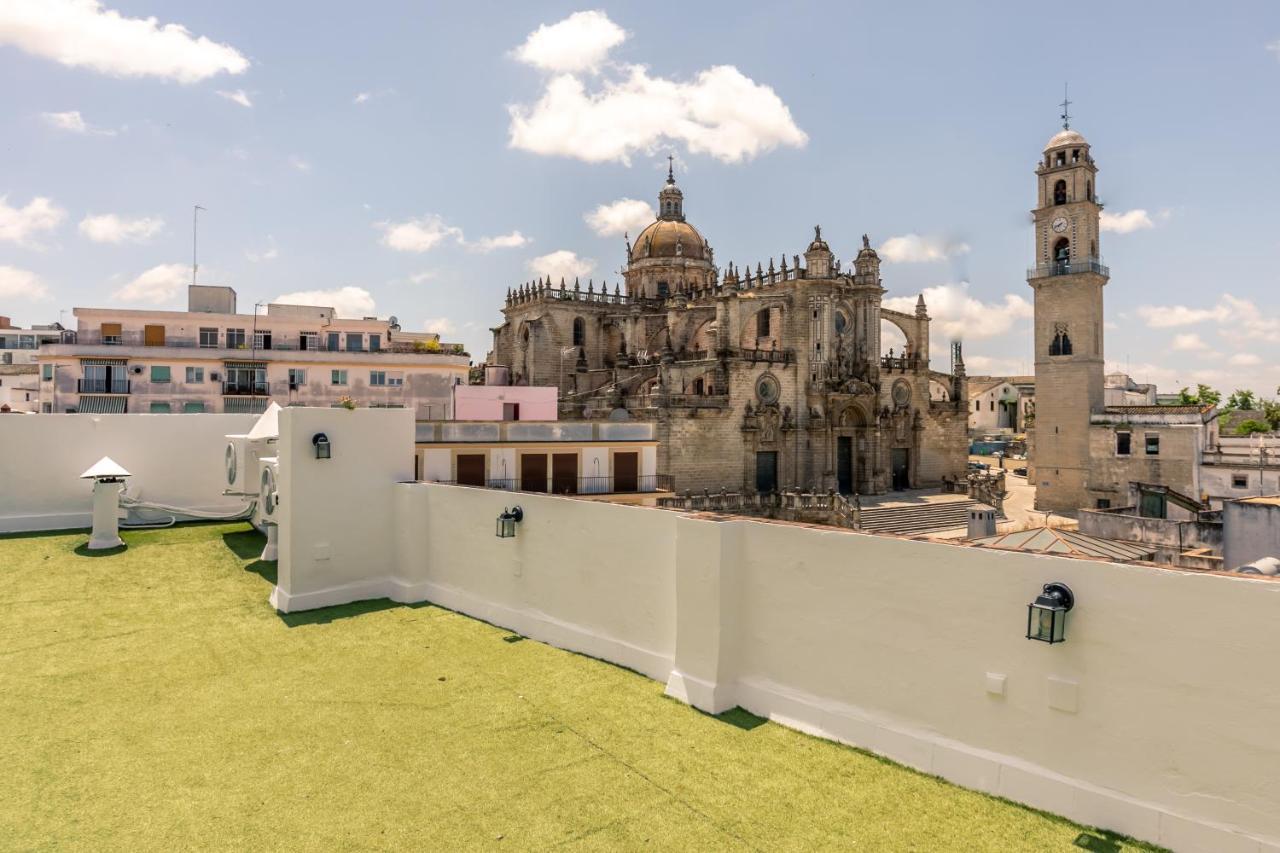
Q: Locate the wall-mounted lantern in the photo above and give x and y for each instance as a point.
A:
(321, 443)
(1047, 615)
(507, 521)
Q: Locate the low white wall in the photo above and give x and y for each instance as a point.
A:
(1155, 718)
(174, 459)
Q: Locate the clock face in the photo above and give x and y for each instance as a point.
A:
(1060, 224)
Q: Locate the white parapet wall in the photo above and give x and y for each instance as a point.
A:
(174, 459)
(1155, 718)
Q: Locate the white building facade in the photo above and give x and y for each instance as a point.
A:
(211, 359)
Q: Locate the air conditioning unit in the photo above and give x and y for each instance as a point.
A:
(136, 369)
(268, 496)
(241, 464)
(215, 376)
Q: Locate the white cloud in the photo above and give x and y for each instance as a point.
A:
(82, 34)
(619, 217)
(22, 225)
(72, 122)
(561, 264)
(239, 96)
(298, 163)
(423, 277)
(514, 240)
(439, 325)
(21, 284)
(720, 112)
(417, 235)
(914, 249)
(1238, 317)
(983, 365)
(578, 43)
(361, 97)
(1190, 342)
(1244, 359)
(110, 228)
(958, 316)
(1125, 223)
(156, 286)
(268, 254)
(1274, 47)
(346, 301)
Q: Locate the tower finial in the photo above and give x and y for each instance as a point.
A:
(1066, 104)
(671, 164)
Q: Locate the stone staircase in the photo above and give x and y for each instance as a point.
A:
(911, 519)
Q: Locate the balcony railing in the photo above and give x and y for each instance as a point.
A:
(244, 389)
(1093, 265)
(102, 386)
(640, 484)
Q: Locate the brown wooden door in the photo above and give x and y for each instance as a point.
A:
(533, 472)
(153, 336)
(626, 472)
(470, 469)
(564, 473)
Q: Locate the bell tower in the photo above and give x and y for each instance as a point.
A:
(1067, 280)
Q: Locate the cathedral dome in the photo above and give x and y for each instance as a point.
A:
(1065, 137)
(669, 238)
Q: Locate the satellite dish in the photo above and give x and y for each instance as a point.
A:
(395, 323)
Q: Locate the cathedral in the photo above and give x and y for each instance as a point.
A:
(757, 380)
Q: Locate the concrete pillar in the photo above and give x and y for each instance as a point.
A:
(106, 515)
(707, 558)
(271, 551)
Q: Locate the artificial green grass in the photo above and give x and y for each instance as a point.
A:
(151, 699)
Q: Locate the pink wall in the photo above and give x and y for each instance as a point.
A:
(485, 402)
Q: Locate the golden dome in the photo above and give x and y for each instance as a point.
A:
(661, 238)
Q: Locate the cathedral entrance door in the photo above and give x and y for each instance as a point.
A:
(899, 464)
(766, 471)
(844, 464)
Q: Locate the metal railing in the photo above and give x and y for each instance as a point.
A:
(244, 389)
(102, 386)
(1094, 265)
(639, 484)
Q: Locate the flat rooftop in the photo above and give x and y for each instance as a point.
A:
(154, 700)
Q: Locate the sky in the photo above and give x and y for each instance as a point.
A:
(417, 159)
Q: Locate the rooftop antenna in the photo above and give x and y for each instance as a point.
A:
(195, 240)
(1066, 104)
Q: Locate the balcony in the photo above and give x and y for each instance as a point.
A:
(244, 389)
(102, 386)
(640, 484)
(1092, 265)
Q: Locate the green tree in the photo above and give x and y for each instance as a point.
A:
(1250, 426)
(1242, 399)
(1207, 395)
(1271, 411)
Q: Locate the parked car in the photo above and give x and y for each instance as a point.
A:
(978, 466)
(1021, 472)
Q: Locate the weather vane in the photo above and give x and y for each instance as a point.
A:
(1066, 103)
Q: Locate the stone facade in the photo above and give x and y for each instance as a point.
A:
(757, 379)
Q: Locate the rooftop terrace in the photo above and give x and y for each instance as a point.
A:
(154, 700)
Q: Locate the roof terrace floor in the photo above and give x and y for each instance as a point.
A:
(153, 700)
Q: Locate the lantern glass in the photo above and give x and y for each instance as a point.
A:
(1047, 615)
(321, 443)
(506, 525)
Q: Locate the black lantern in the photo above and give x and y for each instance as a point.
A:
(1047, 615)
(321, 443)
(507, 521)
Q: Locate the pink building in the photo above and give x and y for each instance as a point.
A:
(504, 403)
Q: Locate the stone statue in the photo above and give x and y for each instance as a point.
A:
(866, 242)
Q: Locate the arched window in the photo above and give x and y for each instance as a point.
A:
(1060, 192)
(579, 332)
(1088, 190)
(1061, 344)
(1093, 249)
(1062, 251)
(762, 324)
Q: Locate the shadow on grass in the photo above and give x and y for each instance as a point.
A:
(325, 615)
(83, 551)
(245, 544)
(1096, 844)
(740, 718)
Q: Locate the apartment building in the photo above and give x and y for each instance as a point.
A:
(211, 359)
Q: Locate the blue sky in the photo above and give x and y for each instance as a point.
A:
(417, 159)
